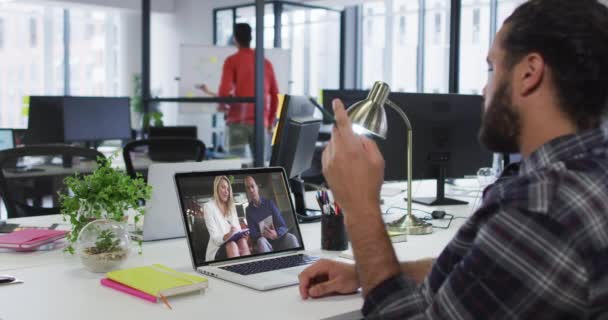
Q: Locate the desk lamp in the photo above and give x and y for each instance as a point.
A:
(369, 117)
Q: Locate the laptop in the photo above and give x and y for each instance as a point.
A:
(162, 219)
(270, 264)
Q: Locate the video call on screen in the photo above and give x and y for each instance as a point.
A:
(230, 216)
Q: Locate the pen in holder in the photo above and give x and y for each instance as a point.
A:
(333, 230)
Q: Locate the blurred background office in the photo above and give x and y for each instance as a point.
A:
(156, 52)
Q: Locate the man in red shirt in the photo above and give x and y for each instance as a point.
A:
(238, 79)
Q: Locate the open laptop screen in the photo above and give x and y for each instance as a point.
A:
(232, 214)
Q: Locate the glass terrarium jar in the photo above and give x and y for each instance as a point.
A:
(103, 245)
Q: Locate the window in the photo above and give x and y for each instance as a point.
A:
(313, 67)
(437, 34)
(405, 46)
(306, 32)
(32, 55)
(92, 46)
(247, 15)
(223, 29)
(402, 33)
(1, 33)
(395, 52)
(474, 45)
(476, 28)
(504, 9)
(27, 64)
(374, 62)
(33, 33)
(436, 64)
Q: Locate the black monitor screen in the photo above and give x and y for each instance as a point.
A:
(96, 118)
(295, 136)
(348, 97)
(45, 122)
(444, 130)
(444, 127)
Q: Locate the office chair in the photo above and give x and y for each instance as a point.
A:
(170, 149)
(32, 175)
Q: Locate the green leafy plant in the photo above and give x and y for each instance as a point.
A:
(105, 194)
(106, 242)
(152, 118)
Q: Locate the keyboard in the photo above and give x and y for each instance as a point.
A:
(271, 264)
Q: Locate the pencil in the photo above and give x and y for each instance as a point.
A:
(328, 116)
(165, 301)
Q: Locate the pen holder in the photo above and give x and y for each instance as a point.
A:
(333, 233)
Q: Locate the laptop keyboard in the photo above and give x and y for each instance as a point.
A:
(271, 264)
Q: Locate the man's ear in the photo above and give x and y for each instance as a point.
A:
(531, 71)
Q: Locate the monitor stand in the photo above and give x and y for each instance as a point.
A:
(440, 199)
(304, 215)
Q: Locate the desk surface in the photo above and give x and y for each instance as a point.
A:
(56, 286)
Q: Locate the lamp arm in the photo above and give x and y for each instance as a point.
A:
(409, 152)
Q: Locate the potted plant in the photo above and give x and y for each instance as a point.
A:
(107, 193)
(141, 120)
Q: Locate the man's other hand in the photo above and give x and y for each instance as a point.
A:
(327, 277)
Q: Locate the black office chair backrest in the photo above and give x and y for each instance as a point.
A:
(31, 177)
(152, 150)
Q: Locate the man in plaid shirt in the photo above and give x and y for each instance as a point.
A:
(538, 245)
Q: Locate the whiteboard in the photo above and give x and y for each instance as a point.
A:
(203, 64)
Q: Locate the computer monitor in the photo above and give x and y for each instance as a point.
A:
(445, 145)
(45, 120)
(173, 131)
(293, 146)
(92, 119)
(6, 139)
(348, 97)
(57, 119)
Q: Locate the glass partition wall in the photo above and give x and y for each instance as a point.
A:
(303, 30)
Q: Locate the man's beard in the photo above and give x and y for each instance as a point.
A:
(500, 125)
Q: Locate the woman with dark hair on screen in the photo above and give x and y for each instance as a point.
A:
(222, 222)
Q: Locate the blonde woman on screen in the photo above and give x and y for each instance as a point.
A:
(222, 223)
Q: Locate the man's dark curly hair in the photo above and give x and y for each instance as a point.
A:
(242, 34)
(572, 38)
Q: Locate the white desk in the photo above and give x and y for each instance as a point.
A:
(56, 286)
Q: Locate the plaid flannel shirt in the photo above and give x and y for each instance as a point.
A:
(536, 248)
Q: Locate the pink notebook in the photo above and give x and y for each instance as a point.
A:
(30, 239)
(126, 289)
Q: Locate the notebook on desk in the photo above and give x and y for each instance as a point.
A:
(270, 259)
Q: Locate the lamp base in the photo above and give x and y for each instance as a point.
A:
(410, 225)
(432, 201)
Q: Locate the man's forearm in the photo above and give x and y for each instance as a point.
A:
(372, 249)
(417, 270)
